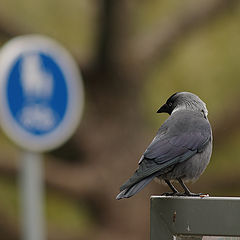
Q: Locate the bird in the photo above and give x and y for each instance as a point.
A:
(180, 151)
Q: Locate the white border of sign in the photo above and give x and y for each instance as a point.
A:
(8, 55)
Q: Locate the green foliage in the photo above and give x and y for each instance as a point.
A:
(152, 13)
(71, 215)
(71, 22)
(8, 199)
(62, 212)
(206, 63)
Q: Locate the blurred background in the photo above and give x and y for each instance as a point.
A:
(133, 55)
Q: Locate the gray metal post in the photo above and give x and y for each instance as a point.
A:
(194, 217)
(31, 191)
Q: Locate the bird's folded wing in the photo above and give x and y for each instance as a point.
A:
(169, 149)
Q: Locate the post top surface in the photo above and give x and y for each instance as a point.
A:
(155, 197)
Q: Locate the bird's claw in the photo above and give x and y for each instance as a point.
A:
(204, 195)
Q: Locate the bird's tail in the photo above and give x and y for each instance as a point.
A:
(130, 191)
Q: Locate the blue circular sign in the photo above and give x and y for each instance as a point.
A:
(41, 93)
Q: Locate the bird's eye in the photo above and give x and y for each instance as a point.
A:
(170, 104)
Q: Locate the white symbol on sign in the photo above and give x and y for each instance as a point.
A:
(36, 82)
(37, 85)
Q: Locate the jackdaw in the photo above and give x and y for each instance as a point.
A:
(181, 149)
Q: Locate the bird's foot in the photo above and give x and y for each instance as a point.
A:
(190, 194)
(185, 194)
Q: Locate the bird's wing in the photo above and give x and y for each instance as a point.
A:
(172, 146)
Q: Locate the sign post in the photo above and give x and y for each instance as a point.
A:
(32, 196)
(41, 102)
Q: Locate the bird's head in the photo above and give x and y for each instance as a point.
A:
(184, 101)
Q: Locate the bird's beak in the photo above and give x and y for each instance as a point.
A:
(163, 109)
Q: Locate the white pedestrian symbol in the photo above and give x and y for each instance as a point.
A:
(37, 85)
(36, 81)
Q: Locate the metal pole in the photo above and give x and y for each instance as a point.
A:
(32, 196)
